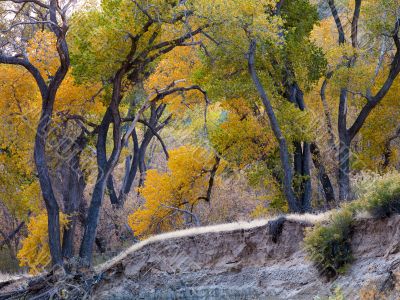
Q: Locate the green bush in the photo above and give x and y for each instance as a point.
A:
(329, 245)
(383, 199)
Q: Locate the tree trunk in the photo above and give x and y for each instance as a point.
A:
(92, 218)
(283, 147)
(130, 176)
(105, 167)
(142, 156)
(344, 170)
(324, 179)
(344, 149)
(301, 153)
(307, 189)
(111, 192)
(73, 198)
(47, 189)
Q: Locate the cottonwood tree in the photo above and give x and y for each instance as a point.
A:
(177, 67)
(295, 68)
(142, 41)
(171, 196)
(136, 161)
(355, 55)
(253, 72)
(21, 18)
(129, 44)
(20, 113)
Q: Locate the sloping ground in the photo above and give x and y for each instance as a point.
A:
(250, 261)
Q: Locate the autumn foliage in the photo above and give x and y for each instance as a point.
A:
(170, 196)
(126, 118)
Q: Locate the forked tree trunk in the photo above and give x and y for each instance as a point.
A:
(93, 214)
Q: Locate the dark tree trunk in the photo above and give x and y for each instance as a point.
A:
(346, 135)
(301, 153)
(344, 149)
(105, 166)
(344, 170)
(298, 158)
(73, 195)
(306, 173)
(131, 174)
(283, 147)
(93, 214)
(111, 192)
(47, 189)
(142, 157)
(324, 179)
(77, 187)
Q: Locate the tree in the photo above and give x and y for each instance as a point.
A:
(171, 196)
(142, 37)
(244, 27)
(387, 27)
(13, 52)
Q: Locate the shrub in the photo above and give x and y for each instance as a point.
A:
(328, 245)
(383, 199)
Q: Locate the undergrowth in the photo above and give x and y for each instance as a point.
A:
(328, 244)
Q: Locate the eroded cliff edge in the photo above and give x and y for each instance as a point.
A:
(250, 261)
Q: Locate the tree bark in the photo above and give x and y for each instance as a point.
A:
(344, 170)
(324, 179)
(283, 147)
(104, 170)
(307, 189)
(73, 195)
(346, 135)
(105, 167)
(302, 153)
(131, 174)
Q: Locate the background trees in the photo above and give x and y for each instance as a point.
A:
(168, 108)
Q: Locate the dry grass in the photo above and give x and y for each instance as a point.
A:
(310, 218)
(9, 277)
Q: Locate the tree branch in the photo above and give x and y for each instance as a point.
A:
(37, 2)
(213, 172)
(196, 218)
(17, 60)
(337, 21)
(155, 133)
(374, 100)
(354, 23)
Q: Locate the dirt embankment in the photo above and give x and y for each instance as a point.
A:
(250, 261)
(258, 260)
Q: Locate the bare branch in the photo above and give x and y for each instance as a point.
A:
(155, 133)
(196, 218)
(27, 23)
(338, 22)
(213, 172)
(37, 2)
